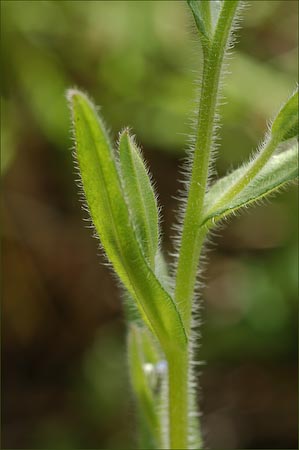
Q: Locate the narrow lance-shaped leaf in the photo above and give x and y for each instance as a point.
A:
(110, 215)
(140, 196)
(279, 170)
(285, 125)
(143, 207)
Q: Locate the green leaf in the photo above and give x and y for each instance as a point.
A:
(279, 170)
(202, 16)
(111, 218)
(285, 125)
(140, 196)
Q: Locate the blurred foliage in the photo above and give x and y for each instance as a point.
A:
(139, 61)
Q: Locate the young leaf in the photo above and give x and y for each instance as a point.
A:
(110, 215)
(285, 125)
(279, 170)
(140, 196)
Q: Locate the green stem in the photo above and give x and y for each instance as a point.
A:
(178, 399)
(193, 236)
(256, 166)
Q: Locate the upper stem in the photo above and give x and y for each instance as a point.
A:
(193, 236)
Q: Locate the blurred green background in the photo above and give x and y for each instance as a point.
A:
(64, 364)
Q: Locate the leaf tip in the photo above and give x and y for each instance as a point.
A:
(126, 139)
(72, 93)
(75, 94)
(124, 133)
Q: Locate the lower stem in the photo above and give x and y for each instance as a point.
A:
(178, 399)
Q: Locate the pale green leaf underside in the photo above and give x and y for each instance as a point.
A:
(140, 196)
(111, 218)
(279, 170)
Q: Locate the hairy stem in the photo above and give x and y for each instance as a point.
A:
(178, 399)
(193, 236)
